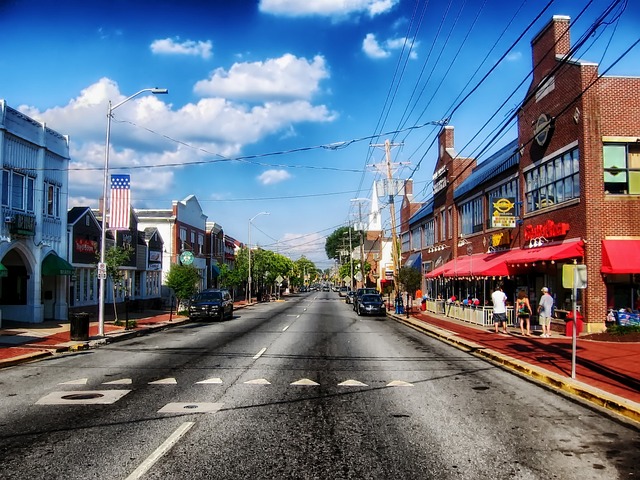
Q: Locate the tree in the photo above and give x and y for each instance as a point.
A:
(410, 278)
(339, 241)
(183, 279)
(303, 269)
(114, 258)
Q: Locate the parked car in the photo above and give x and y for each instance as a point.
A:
(343, 291)
(371, 304)
(211, 304)
(359, 293)
(349, 297)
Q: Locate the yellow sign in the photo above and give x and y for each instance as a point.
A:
(504, 210)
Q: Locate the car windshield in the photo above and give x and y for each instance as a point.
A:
(371, 298)
(208, 296)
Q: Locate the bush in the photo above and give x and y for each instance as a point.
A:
(623, 329)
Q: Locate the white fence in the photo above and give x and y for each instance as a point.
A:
(476, 315)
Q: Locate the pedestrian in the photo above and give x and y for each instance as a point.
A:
(545, 307)
(499, 299)
(524, 312)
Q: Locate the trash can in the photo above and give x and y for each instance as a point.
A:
(568, 327)
(423, 305)
(79, 323)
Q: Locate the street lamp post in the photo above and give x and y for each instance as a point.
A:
(249, 253)
(102, 268)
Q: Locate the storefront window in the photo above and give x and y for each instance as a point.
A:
(429, 234)
(555, 181)
(622, 169)
(471, 216)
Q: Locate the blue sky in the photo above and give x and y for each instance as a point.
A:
(273, 104)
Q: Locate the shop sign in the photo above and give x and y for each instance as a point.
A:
(504, 213)
(82, 245)
(155, 256)
(500, 239)
(388, 274)
(440, 179)
(549, 229)
(23, 225)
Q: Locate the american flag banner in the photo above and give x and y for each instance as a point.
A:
(120, 202)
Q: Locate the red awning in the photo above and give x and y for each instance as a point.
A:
(560, 251)
(620, 256)
(478, 265)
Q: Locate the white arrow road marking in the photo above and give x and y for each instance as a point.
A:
(399, 383)
(195, 407)
(305, 382)
(80, 381)
(258, 381)
(122, 381)
(210, 380)
(352, 383)
(160, 451)
(259, 354)
(164, 381)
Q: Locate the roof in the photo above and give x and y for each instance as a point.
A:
(75, 213)
(425, 211)
(501, 161)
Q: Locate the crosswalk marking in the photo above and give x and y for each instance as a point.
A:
(258, 381)
(399, 383)
(193, 407)
(352, 383)
(122, 381)
(79, 381)
(305, 382)
(210, 380)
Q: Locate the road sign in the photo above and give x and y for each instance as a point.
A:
(279, 279)
(102, 271)
(574, 273)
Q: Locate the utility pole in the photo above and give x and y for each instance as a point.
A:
(363, 230)
(391, 191)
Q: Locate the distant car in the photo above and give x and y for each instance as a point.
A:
(326, 288)
(343, 291)
(349, 297)
(371, 304)
(211, 304)
(359, 293)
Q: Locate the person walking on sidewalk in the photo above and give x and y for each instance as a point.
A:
(499, 299)
(524, 312)
(545, 306)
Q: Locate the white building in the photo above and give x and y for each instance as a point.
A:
(34, 281)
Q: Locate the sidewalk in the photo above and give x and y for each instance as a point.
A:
(607, 374)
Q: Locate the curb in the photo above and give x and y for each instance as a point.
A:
(570, 387)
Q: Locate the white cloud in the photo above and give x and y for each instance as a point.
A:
(309, 245)
(286, 77)
(514, 56)
(271, 177)
(374, 49)
(326, 8)
(170, 46)
(134, 143)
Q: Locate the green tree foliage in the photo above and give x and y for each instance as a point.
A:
(303, 267)
(410, 279)
(339, 240)
(183, 279)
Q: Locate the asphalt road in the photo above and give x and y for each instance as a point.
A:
(302, 389)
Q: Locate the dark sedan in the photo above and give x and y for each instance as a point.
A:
(371, 304)
(213, 303)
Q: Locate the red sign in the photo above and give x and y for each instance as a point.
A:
(549, 229)
(86, 246)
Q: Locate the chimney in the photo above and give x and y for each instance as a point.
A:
(554, 40)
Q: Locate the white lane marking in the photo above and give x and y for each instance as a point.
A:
(304, 382)
(399, 383)
(164, 381)
(195, 407)
(85, 397)
(80, 381)
(258, 381)
(293, 316)
(210, 380)
(122, 381)
(259, 354)
(160, 451)
(352, 383)
(285, 328)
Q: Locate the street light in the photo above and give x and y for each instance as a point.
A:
(249, 252)
(101, 268)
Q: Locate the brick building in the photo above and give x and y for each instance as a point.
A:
(570, 183)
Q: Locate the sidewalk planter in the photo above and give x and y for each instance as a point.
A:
(79, 323)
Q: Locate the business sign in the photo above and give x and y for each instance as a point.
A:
(23, 225)
(504, 212)
(549, 229)
(440, 179)
(82, 245)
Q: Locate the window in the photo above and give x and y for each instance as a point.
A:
(429, 233)
(200, 242)
(415, 239)
(554, 181)
(405, 242)
(450, 223)
(622, 169)
(52, 196)
(443, 226)
(18, 191)
(471, 216)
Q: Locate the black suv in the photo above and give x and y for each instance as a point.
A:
(359, 293)
(214, 303)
